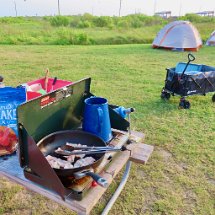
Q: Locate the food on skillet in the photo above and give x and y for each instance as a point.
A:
(76, 145)
(72, 161)
(71, 158)
(84, 162)
(58, 163)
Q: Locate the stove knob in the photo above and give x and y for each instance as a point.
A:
(94, 184)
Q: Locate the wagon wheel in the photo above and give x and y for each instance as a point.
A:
(181, 105)
(184, 104)
(165, 95)
(213, 98)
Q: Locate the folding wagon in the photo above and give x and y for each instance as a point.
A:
(188, 79)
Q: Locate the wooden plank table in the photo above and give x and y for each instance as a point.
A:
(139, 153)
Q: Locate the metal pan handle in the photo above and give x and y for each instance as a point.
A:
(97, 178)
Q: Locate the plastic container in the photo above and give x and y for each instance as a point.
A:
(10, 99)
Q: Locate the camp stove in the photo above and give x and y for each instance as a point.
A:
(73, 188)
(60, 110)
(79, 187)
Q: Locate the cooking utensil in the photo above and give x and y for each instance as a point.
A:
(90, 152)
(46, 79)
(97, 178)
(72, 148)
(49, 144)
(54, 82)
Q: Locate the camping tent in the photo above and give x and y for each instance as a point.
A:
(211, 40)
(178, 35)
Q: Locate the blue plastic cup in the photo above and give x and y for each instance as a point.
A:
(96, 118)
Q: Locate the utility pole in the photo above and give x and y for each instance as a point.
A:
(180, 8)
(155, 5)
(120, 7)
(15, 7)
(58, 7)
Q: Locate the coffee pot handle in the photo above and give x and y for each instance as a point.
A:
(100, 117)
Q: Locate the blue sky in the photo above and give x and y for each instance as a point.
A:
(102, 7)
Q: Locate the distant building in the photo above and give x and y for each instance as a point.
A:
(206, 13)
(164, 14)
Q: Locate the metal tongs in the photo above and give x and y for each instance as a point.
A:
(71, 150)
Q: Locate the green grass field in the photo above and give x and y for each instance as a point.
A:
(180, 176)
(91, 30)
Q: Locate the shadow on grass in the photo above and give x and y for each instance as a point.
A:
(157, 106)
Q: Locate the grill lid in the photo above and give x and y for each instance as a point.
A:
(59, 110)
(56, 111)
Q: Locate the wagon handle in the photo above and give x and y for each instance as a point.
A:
(190, 59)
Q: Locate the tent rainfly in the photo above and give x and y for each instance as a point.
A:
(178, 36)
(211, 40)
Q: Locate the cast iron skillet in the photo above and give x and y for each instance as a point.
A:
(50, 143)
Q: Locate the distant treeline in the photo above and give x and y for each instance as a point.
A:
(89, 21)
(88, 29)
(130, 21)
